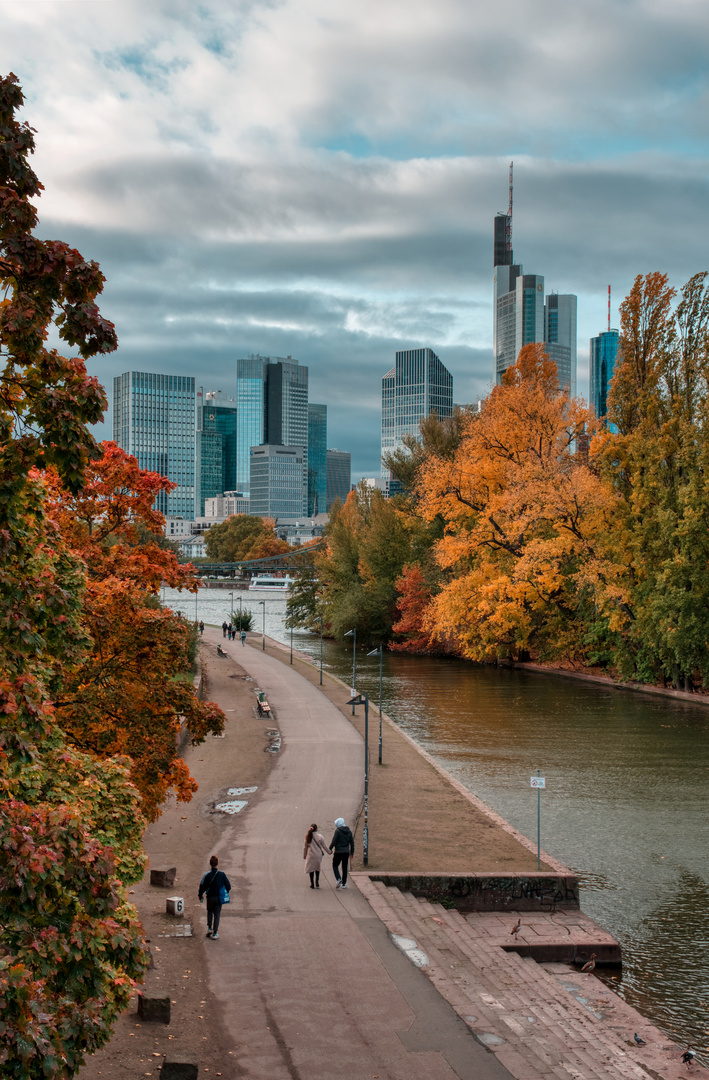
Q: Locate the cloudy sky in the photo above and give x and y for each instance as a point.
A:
(318, 178)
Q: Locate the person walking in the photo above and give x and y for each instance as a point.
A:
(224, 628)
(230, 631)
(201, 627)
(315, 848)
(243, 638)
(217, 886)
(342, 846)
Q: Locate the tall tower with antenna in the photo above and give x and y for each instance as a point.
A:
(602, 357)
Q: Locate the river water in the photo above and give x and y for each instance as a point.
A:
(625, 804)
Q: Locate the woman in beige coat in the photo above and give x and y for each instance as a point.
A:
(315, 848)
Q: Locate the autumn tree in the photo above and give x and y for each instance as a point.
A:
(526, 523)
(132, 692)
(243, 537)
(69, 827)
(413, 601)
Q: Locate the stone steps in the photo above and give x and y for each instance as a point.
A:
(525, 1012)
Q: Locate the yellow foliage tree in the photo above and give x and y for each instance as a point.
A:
(528, 521)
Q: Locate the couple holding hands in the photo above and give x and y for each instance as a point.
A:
(341, 848)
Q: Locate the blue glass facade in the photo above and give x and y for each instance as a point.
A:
(417, 385)
(317, 459)
(339, 476)
(154, 420)
(216, 443)
(603, 353)
(250, 414)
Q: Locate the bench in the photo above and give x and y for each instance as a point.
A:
(264, 709)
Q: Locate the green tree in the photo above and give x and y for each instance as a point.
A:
(243, 537)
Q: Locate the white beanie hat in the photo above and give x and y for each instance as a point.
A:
(339, 822)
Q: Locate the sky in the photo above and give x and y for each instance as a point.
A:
(318, 179)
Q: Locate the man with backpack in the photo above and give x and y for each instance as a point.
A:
(342, 846)
(217, 887)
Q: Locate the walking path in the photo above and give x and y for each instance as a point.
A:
(309, 982)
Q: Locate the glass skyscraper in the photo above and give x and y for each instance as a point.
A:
(272, 408)
(560, 337)
(339, 472)
(317, 459)
(603, 353)
(416, 386)
(216, 444)
(154, 420)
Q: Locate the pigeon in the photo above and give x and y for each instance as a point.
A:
(591, 965)
(638, 1040)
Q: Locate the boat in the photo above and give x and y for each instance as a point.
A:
(271, 582)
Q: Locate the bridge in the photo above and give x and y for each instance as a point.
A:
(287, 560)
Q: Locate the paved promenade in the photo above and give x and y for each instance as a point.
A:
(309, 983)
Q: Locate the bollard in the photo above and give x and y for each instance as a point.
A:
(164, 879)
(154, 1007)
(175, 905)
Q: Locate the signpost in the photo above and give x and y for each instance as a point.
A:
(538, 782)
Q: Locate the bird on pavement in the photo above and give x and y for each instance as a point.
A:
(638, 1040)
(591, 965)
(515, 928)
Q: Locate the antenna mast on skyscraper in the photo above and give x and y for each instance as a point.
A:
(508, 237)
(609, 307)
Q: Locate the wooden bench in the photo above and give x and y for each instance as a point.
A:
(264, 709)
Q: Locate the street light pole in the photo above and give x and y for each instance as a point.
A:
(321, 650)
(291, 643)
(374, 652)
(263, 627)
(240, 598)
(353, 635)
(363, 699)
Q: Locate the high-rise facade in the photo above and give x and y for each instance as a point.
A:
(272, 408)
(603, 354)
(417, 385)
(520, 315)
(154, 420)
(277, 481)
(339, 473)
(216, 445)
(317, 459)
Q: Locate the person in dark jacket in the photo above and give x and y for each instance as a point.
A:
(342, 846)
(224, 628)
(212, 884)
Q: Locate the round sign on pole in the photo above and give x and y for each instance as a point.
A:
(538, 781)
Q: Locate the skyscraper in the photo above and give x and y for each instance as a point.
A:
(416, 386)
(603, 353)
(317, 459)
(277, 481)
(216, 445)
(272, 408)
(154, 420)
(339, 472)
(520, 315)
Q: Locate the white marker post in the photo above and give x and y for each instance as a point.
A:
(538, 782)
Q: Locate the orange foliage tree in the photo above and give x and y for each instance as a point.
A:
(526, 541)
(412, 607)
(133, 691)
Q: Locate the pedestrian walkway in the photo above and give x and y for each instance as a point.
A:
(540, 1020)
(309, 981)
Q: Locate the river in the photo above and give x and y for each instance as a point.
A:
(625, 804)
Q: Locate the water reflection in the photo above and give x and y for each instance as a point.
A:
(625, 804)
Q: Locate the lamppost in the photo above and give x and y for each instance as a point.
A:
(291, 644)
(231, 606)
(353, 635)
(320, 620)
(363, 699)
(240, 599)
(374, 653)
(263, 628)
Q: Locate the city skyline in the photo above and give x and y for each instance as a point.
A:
(340, 211)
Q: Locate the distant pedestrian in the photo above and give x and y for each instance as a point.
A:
(217, 886)
(243, 638)
(315, 848)
(225, 627)
(231, 631)
(201, 627)
(342, 846)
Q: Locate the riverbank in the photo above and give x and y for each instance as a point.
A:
(608, 681)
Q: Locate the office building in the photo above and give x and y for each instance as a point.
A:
(339, 470)
(278, 481)
(226, 505)
(416, 386)
(317, 459)
(560, 337)
(154, 420)
(272, 408)
(520, 315)
(216, 444)
(602, 357)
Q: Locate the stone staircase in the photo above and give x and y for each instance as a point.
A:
(540, 1020)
